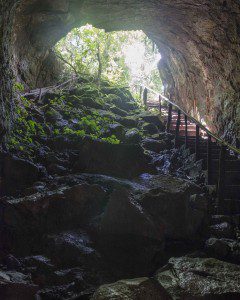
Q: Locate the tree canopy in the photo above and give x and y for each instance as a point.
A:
(123, 57)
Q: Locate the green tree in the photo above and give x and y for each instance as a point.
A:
(123, 57)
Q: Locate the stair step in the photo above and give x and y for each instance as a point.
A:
(231, 165)
(192, 139)
(182, 128)
(203, 148)
(204, 155)
(231, 206)
(190, 133)
(203, 139)
(232, 192)
(232, 219)
(202, 142)
(231, 177)
(216, 155)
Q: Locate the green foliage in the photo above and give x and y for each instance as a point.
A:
(18, 87)
(111, 140)
(70, 131)
(91, 51)
(30, 128)
(25, 129)
(94, 126)
(125, 57)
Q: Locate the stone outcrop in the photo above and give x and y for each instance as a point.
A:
(15, 285)
(125, 161)
(199, 43)
(19, 173)
(200, 278)
(64, 233)
(129, 221)
(139, 288)
(182, 278)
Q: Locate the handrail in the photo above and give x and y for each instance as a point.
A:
(221, 141)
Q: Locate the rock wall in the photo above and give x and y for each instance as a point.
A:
(198, 40)
(6, 75)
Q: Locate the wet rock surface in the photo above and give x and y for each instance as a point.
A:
(125, 161)
(84, 210)
(182, 278)
(100, 227)
(18, 173)
(140, 288)
(200, 278)
(226, 249)
(15, 285)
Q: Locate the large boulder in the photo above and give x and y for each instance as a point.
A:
(15, 285)
(172, 204)
(122, 103)
(154, 119)
(121, 160)
(28, 218)
(135, 225)
(115, 129)
(200, 278)
(128, 237)
(150, 128)
(129, 121)
(133, 136)
(181, 278)
(18, 174)
(131, 289)
(226, 249)
(154, 145)
(124, 216)
(71, 248)
(222, 230)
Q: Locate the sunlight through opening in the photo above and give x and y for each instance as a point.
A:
(127, 58)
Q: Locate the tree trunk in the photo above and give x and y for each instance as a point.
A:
(99, 65)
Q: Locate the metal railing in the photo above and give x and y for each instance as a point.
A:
(225, 146)
(201, 126)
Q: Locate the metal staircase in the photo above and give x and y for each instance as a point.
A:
(220, 159)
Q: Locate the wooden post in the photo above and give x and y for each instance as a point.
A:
(145, 97)
(197, 143)
(160, 104)
(169, 121)
(209, 160)
(221, 178)
(186, 131)
(177, 128)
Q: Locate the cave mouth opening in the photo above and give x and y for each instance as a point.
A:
(126, 58)
(200, 61)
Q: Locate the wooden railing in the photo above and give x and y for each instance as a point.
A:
(188, 117)
(225, 146)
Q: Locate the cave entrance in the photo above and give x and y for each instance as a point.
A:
(126, 58)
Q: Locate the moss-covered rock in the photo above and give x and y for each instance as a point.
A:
(133, 136)
(149, 128)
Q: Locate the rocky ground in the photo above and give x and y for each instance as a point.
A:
(94, 193)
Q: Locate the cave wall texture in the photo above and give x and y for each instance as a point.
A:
(198, 40)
